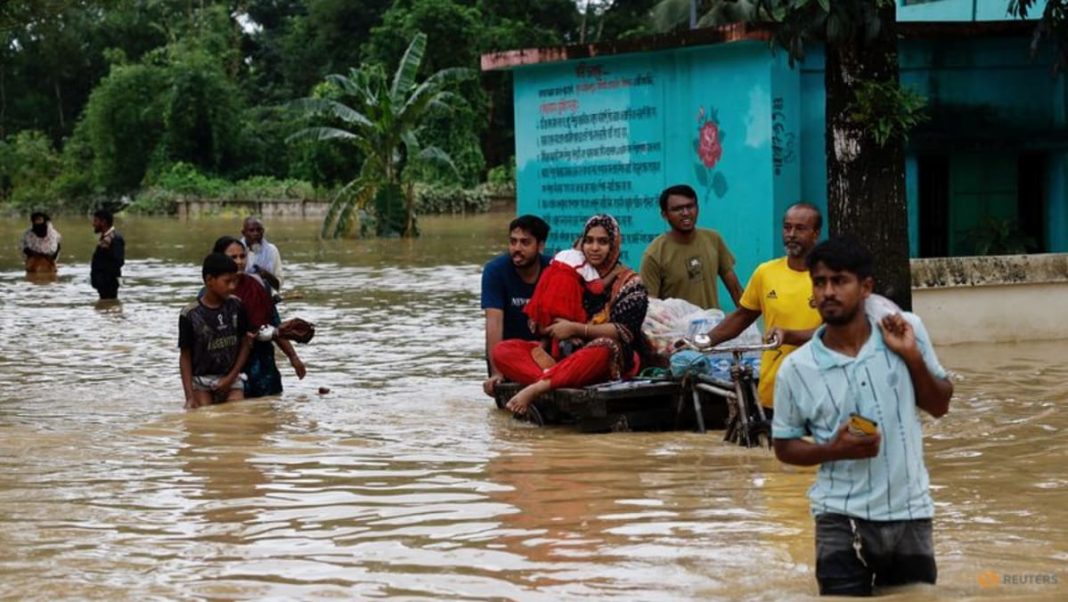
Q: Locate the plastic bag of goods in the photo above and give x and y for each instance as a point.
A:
(668, 320)
(878, 307)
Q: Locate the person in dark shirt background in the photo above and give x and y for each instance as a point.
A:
(108, 257)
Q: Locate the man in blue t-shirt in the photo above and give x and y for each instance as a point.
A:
(508, 283)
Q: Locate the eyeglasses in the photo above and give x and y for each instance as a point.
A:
(687, 208)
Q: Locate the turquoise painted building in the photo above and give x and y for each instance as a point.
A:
(604, 128)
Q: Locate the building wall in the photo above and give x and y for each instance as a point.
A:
(608, 134)
(957, 10)
(988, 93)
(985, 299)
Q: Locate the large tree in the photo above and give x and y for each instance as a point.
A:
(868, 116)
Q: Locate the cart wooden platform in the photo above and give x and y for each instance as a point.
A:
(637, 405)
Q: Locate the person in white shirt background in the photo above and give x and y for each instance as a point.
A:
(263, 257)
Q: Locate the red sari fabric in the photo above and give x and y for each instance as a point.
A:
(587, 366)
(254, 298)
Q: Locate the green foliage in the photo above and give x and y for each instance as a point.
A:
(433, 199)
(446, 24)
(183, 181)
(259, 188)
(75, 185)
(384, 119)
(28, 167)
(391, 219)
(126, 89)
(887, 110)
(795, 21)
(626, 20)
(178, 104)
(124, 125)
(1053, 26)
(993, 236)
(670, 15)
(201, 114)
(154, 201)
(502, 177)
(456, 129)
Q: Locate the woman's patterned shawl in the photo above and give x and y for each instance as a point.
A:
(624, 302)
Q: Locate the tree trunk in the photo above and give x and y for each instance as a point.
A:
(59, 105)
(866, 182)
(582, 23)
(3, 102)
(409, 211)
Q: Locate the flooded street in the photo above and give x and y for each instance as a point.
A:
(405, 480)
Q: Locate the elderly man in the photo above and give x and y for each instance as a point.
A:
(40, 244)
(781, 291)
(263, 257)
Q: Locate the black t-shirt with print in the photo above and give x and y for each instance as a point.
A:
(213, 335)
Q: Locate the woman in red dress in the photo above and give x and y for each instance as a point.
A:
(261, 369)
(608, 338)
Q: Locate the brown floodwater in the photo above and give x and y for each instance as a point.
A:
(405, 481)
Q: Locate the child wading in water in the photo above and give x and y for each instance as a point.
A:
(214, 336)
(559, 297)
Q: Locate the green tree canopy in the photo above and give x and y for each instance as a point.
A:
(384, 118)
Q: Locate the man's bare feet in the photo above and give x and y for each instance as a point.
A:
(542, 358)
(526, 396)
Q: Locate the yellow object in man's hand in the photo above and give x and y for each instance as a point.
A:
(861, 426)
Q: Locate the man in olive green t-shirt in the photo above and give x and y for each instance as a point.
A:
(683, 262)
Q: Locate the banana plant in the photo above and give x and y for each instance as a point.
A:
(383, 118)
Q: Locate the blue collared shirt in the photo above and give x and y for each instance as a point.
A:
(816, 391)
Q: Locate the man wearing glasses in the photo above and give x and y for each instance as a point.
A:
(683, 263)
(781, 290)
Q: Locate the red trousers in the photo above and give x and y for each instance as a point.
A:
(587, 366)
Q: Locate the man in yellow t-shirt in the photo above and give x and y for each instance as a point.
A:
(684, 262)
(781, 291)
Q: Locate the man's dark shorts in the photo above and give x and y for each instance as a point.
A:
(854, 555)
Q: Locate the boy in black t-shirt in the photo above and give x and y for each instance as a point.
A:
(214, 336)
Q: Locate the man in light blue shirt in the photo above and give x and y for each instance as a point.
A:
(871, 498)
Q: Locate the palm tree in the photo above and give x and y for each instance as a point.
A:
(383, 119)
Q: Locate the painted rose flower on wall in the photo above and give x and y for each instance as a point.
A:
(709, 148)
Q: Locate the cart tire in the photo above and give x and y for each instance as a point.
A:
(534, 415)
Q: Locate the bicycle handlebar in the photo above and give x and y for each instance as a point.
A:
(701, 343)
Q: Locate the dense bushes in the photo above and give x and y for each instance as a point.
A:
(29, 166)
(182, 181)
(434, 199)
